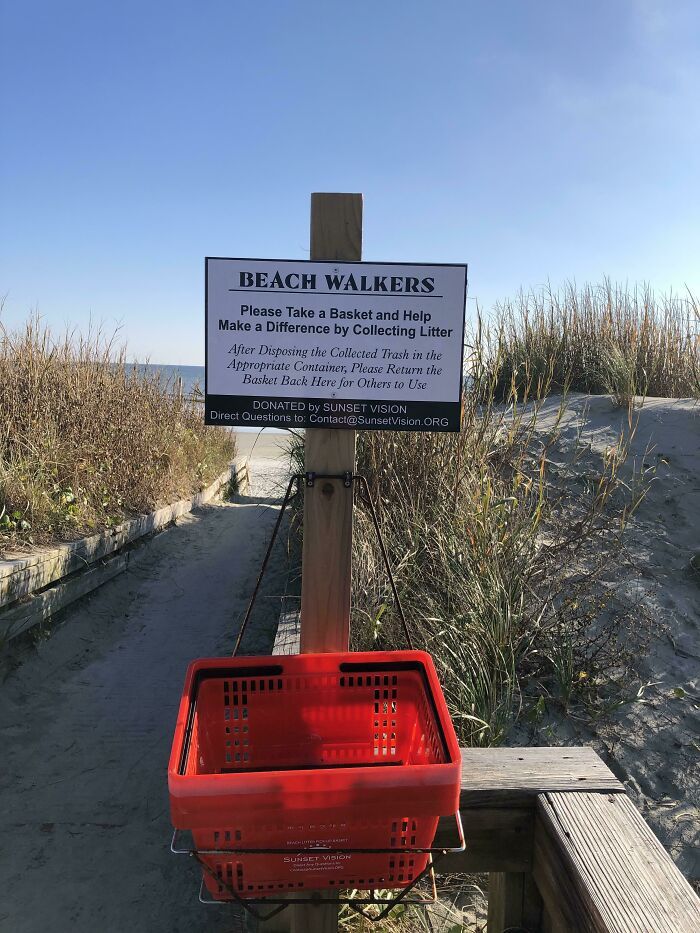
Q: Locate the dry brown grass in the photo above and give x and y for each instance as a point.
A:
(498, 564)
(600, 339)
(85, 441)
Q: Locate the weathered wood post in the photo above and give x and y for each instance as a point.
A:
(336, 233)
(513, 902)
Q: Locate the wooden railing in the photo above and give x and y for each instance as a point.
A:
(37, 585)
(566, 849)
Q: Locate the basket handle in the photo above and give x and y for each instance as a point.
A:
(308, 479)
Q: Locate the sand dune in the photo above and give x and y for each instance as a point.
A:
(652, 744)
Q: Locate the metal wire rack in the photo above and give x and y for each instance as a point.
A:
(357, 904)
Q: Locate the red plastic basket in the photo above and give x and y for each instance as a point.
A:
(345, 751)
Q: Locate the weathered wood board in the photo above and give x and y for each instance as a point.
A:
(514, 902)
(513, 777)
(600, 868)
(40, 608)
(336, 233)
(22, 576)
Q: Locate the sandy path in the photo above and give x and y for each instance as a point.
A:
(86, 721)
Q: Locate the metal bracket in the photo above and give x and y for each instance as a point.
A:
(347, 477)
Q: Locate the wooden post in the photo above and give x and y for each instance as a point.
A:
(514, 902)
(336, 233)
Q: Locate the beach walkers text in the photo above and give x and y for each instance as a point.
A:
(333, 282)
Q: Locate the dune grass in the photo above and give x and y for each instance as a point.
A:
(500, 535)
(498, 566)
(498, 574)
(85, 441)
(602, 339)
(504, 537)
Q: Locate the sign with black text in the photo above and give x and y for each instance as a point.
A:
(361, 345)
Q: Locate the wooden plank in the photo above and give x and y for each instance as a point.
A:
(600, 868)
(325, 589)
(532, 911)
(288, 634)
(514, 777)
(22, 576)
(41, 607)
(240, 472)
(500, 789)
(336, 226)
(563, 908)
(497, 840)
(514, 903)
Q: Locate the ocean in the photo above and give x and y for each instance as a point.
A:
(192, 383)
(192, 376)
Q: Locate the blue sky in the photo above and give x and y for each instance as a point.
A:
(538, 140)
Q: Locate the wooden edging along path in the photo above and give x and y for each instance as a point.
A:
(35, 586)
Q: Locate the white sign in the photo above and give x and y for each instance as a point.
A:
(334, 344)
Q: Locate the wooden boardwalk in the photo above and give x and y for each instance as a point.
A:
(566, 849)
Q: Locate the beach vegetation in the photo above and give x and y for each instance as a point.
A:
(506, 537)
(602, 339)
(87, 440)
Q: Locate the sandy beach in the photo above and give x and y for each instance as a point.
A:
(652, 743)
